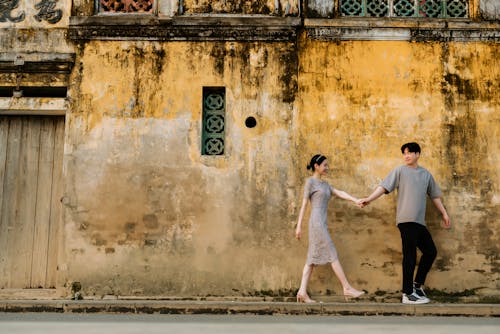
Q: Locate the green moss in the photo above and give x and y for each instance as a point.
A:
(277, 294)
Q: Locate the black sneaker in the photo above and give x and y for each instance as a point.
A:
(414, 299)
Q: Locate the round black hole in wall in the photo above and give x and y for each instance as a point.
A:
(251, 122)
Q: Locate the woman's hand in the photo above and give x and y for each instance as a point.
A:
(363, 202)
(298, 232)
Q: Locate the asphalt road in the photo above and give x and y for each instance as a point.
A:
(45, 323)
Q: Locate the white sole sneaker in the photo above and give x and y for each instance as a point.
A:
(414, 299)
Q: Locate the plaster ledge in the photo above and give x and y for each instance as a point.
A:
(33, 106)
(36, 62)
(402, 30)
(208, 19)
(184, 28)
(404, 23)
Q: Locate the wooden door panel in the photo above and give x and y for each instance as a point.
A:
(31, 182)
(10, 195)
(43, 204)
(22, 233)
(55, 245)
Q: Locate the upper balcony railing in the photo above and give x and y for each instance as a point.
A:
(335, 8)
(405, 8)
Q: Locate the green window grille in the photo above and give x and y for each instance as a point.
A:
(214, 114)
(405, 8)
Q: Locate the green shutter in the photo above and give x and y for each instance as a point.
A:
(214, 116)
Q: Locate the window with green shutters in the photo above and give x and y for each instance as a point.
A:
(214, 114)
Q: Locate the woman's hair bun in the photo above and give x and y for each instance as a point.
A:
(317, 159)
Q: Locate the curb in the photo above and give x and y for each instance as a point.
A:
(255, 308)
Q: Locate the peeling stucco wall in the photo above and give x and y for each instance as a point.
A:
(146, 214)
(156, 218)
(320, 8)
(489, 9)
(153, 214)
(359, 102)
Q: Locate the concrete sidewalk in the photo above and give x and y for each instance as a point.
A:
(241, 307)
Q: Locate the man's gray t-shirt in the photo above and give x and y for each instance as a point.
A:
(413, 184)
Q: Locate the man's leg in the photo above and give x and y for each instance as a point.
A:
(409, 235)
(429, 253)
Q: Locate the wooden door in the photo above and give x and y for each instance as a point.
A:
(31, 152)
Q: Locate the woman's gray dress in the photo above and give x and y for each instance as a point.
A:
(321, 248)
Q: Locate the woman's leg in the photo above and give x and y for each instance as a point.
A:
(302, 295)
(349, 291)
(337, 269)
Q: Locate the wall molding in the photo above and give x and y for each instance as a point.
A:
(33, 106)
(185, 28)
(36, 62)
(402, 30)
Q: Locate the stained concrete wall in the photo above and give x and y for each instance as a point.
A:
(147, 214)
(154, 215)
(489, 9)
(359, 102)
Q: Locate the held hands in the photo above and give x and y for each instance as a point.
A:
(362, 202)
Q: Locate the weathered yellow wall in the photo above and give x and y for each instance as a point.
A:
(146, 214)
(150, 213)
(359, 102)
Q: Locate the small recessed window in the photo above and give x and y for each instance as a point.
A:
(214, 114)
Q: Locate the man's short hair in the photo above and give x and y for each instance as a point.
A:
(412, 147)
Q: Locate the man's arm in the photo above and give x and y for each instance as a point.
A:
(439, 205)
(379, 191)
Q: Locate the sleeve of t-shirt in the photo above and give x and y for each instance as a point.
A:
(307, 188)
(433, 189)
(391, 181)
(332, 189)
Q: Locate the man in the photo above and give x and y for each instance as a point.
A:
(414, 183)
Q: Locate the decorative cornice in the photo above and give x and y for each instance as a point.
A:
(185, 28)
(275, 29)
(402, 30)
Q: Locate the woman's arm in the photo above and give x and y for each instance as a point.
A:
(298, 229)
(342, 194)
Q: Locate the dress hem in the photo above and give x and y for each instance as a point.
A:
(321, 263)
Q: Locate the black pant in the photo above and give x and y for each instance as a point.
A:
(413, 236)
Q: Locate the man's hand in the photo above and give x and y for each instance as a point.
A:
(362, 202)
(439, 205)
(446, 221)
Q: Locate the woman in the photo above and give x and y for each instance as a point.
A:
(321, 248)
